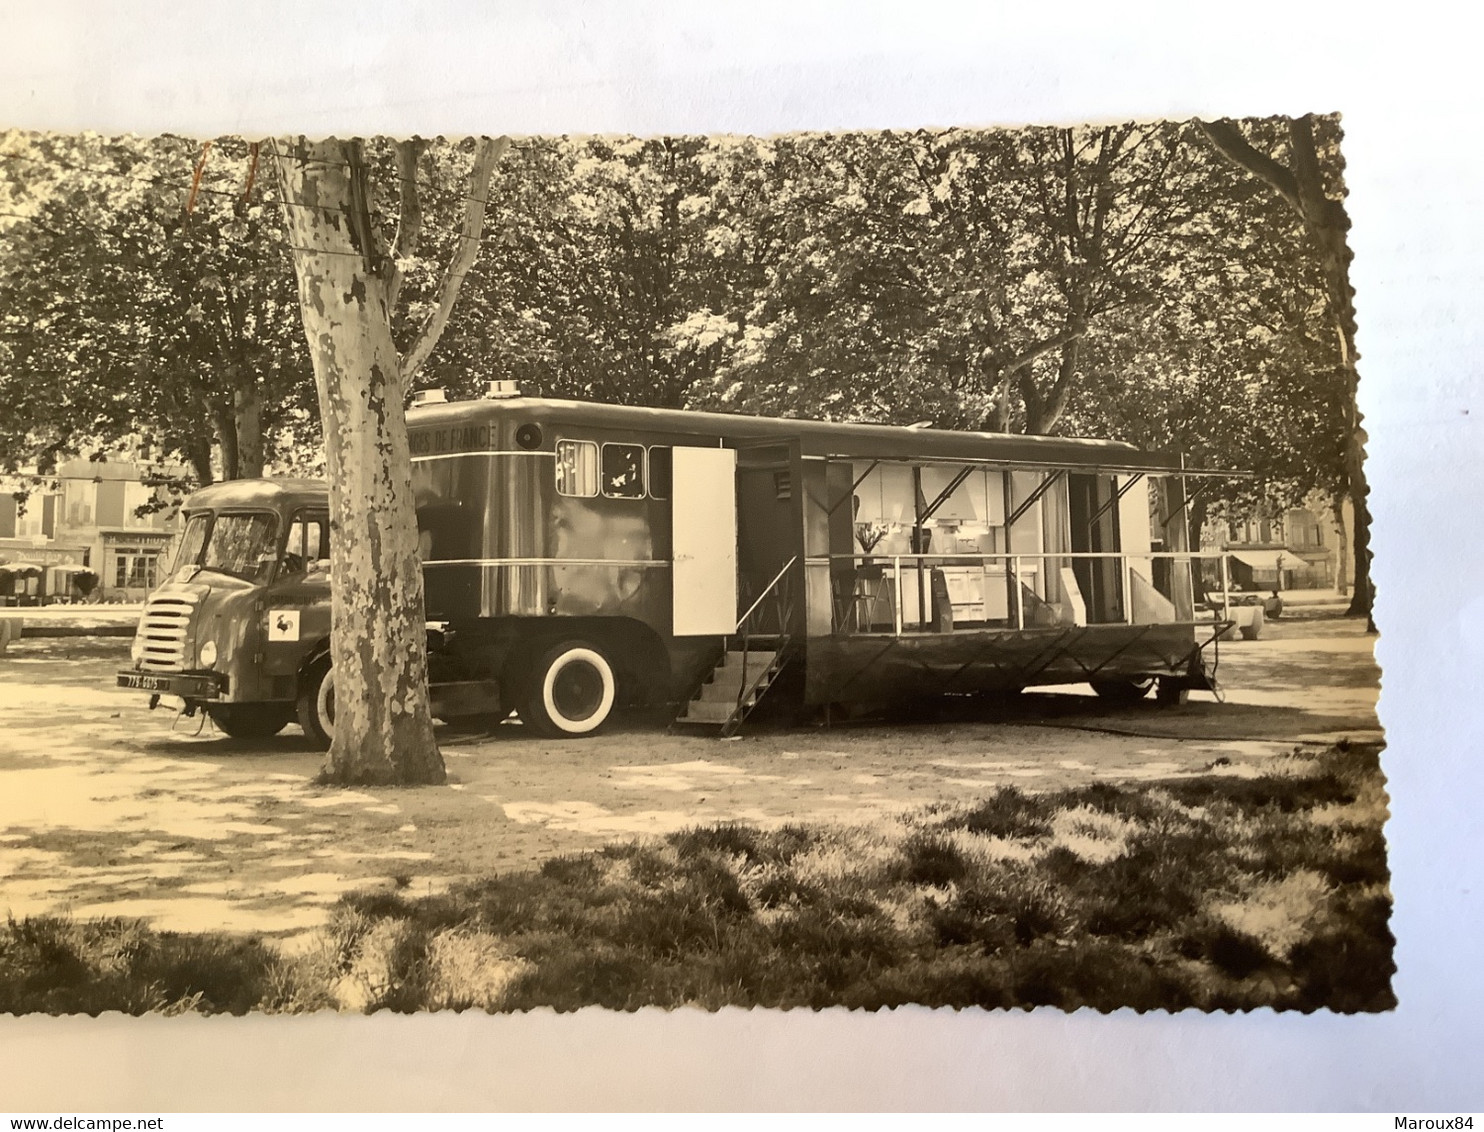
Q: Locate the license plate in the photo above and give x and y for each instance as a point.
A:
(144, 683)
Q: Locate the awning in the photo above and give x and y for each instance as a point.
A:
(1266, 559)
(20, 568)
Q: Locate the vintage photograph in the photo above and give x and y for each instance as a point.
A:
(843, 569)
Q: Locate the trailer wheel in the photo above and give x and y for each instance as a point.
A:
(1123, 691)
(571, 691)
(316, 706)
(1171, 692)
(250, 721)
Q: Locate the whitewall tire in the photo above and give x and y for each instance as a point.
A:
(571, 692)
(317, 707)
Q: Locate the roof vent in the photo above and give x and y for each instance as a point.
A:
(498, 390)
(429, 397)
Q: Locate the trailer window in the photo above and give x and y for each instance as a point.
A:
(577, 468)
(623, 471)
(660, 465)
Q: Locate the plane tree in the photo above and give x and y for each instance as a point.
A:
(1298, 159)
(959, 276)
(146, 297)
(351, 276)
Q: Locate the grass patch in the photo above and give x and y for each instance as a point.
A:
(1215, 892)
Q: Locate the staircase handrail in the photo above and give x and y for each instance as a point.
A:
(766, 591)
(783, 616)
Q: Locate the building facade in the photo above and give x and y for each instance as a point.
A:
(1298, 548)
(88, 520)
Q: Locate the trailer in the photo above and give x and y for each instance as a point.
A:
(578, 557)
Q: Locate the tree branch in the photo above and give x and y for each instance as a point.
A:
(410, 218)
(1225, 136)
(488, 152)
(1076, 328)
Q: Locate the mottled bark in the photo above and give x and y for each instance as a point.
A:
(383, 728)
(410, 215)
(383, 731)
(1342, 572)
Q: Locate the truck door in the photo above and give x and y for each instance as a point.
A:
(703, 539)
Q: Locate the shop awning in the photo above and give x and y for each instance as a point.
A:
(1266, 559)
(20, 568)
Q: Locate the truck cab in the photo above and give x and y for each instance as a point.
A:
(240, 627)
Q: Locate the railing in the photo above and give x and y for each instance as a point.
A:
(781, 590)
(1021, 572)
(776, 588)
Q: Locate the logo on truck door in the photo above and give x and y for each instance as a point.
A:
(283, 624)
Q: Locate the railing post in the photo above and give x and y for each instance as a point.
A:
(896, 579)
(1128, 591)
(1019, 597)
(1226, 601)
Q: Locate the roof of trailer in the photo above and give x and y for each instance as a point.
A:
(817, 438)
(250, 494)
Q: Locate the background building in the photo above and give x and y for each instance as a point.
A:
(87, 518)
(1298, 548)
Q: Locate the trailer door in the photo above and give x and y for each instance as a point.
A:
(704, 541)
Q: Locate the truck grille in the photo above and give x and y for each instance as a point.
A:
(164, 630)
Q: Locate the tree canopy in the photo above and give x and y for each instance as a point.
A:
(147, 296)
(1132, 281)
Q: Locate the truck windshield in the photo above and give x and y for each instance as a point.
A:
(241, 545)
(191, 542)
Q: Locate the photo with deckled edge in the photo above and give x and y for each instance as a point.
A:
(824, 570)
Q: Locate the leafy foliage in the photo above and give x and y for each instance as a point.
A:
(1125, 281)
(137, 309)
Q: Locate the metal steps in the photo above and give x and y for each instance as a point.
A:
(735, 686)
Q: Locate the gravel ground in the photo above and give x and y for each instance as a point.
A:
(108, 809)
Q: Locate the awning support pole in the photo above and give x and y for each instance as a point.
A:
(1117, 495)
(1035, 496)
(1189, 499)
(943, 495)
(835, 506)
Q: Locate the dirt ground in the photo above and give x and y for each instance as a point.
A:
(109, 809)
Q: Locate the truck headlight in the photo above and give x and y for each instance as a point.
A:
(207, 654)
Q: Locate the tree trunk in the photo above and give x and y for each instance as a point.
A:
(198, 450)
(1361, 598)
(1342, 575)
(1042, 413)
(247, 419)
(1328, 225)
(226, 439)
(383, 730)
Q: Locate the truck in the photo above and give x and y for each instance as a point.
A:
(578, 557)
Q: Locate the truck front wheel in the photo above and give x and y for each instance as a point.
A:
(317, 706)
(250, 721)
(571, 691)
